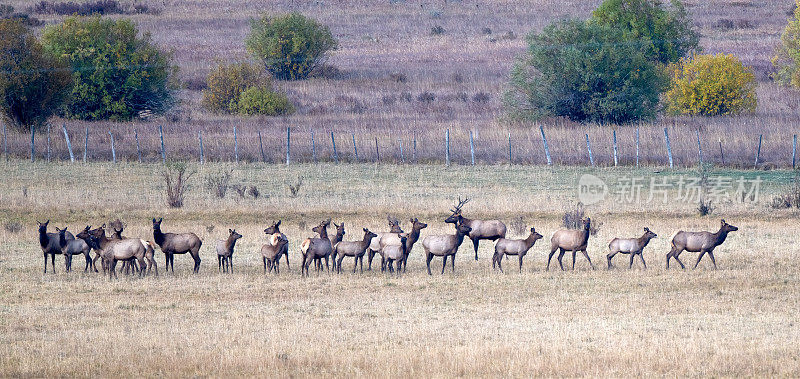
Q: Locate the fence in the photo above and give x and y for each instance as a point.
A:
(630, 146)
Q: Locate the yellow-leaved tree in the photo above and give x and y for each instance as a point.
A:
(711, 85)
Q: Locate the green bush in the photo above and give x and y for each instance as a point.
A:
(227, 82)
(117, 74)
(787, 57)
(291, 45)
(711, 85)
(263, 101)
(33, 84)
(584, 71)
(664, 32)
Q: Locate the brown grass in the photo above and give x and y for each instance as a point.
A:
(738, 321)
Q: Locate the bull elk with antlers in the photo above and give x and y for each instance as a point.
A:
(481, 229)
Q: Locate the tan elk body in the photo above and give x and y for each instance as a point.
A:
(444, 246)
(225, 251)
(355, 249)
(392, 237)
(702, 242)
(570, 240)
(272, 251)
(284, 251)
(632, 246)
(177, 243)
(518, 247)
(481, 229)
(313, 248)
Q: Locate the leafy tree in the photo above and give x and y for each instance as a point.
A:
(585, 72)
(33, 84)
(263, 101)
(117, 74)
(787, 57)
(291, 45)
(664, 32)
(711, 85)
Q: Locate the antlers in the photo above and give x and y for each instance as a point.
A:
(460, 204)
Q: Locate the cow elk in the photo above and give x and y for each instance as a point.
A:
(177, 243)
(384, 239)
(632, 246)
(72, 247)
(702, 242)
(313, 248)
(396, 253)
(355, 249)
(481, 229)
(49, 242)
(225, 251)
(514, 247)
(570, 240)
(272, 251)
(275, 229)
(444, 246)
(110, 254)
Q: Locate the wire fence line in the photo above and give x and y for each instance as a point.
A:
(632, 146)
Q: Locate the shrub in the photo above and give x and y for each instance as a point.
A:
(790, 198)
(437, 30)
(711, 85)
(586, 72)
(398, 77)
(787, 55)
(99, 7)
(7, 12)
(481, 97)
(218, 183)
(426, 97)
(117, 74)
(226, 83)
(291, 45)
(176, 179)
(573, 219)
(263, 101)
(665, 33)
(33, 84)
(12, 227)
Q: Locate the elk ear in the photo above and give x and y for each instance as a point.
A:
(278, 223)
(103, 226)
(46, 222)
(723, 221)
(230, 231)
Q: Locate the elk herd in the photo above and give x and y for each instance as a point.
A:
(137, 255)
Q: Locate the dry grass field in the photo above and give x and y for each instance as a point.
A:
(740, 320)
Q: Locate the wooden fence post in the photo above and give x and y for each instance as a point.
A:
(546, 148)
(721, 155)
(69, 145)
(113, 150)
(5, 142)
(589, 148)
(86, 144)
(669, 148)
(288, 144)
(699, 148)
(377, 152)
(758, 151)
(235, 145)
(261, 147)
(138, 148)
(415, 148)
(163, 150)
(637, 146)
(313, 147)
(33, 148)
(200, 138)
(48, 142)
(447, 147)
(794, 147)
(471, 148)
(510, 157)
(402, 157)
(335, 154)
(614, 138)
(355, 148)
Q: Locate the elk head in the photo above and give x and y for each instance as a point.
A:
(274, 228)
(724, 226)
(536, 236)
(416, 225)
(233, 235)
(648, 235)
(156, 224)
(462, 229)
(43, 226)
(339, 229)
(368, 235)
(456, 217)
(321, 227)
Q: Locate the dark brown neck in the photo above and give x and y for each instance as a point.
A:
(719, 236)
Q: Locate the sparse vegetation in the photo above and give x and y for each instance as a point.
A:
(573, 219)
(7, 12)
(437, 30)
(12, 227)
(176, 180)
(294, 188)
(218, 183)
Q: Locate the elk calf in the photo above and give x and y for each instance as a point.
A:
(632, 246)
(272, 251)
(352, 249)
(73, 247)
(225, 251)
(514, 247)
(570, 240)
(275, 229)
(384, 239)
(444, 246)
(397, 253)
(703, 242)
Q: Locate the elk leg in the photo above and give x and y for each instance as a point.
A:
(286, 253)
(428, 257)
(444, 263)
(338, 264)
(230, 263)
(53, 262)
(585, 254)
(142, 265)
(678, 260)
(520, 262)
(475, 245)
(88, 261)
(499, 259)
(641, 256)
(699, 257)
(609, 257)
(711, 255)
(196, 256)
(370, 255)
(453, 262)
(552, 251)
(561, 256)
(45, 263)
(573, 259)
(633, 255)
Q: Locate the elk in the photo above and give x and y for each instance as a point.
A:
(632, 246)
(384, 239)
(336, 239)
(87, 237)
(392, 253)
(570, 240)
(97, 240)
(514, 247)
(481, 229)
(411, 239)
(173, 243)
(225, 251)
(49, 242)
(352, 249)
(313, 248)
(122, 250)
(73, 247)
(275, 229)
(272, 250)
(444, 246)
(703, 242)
